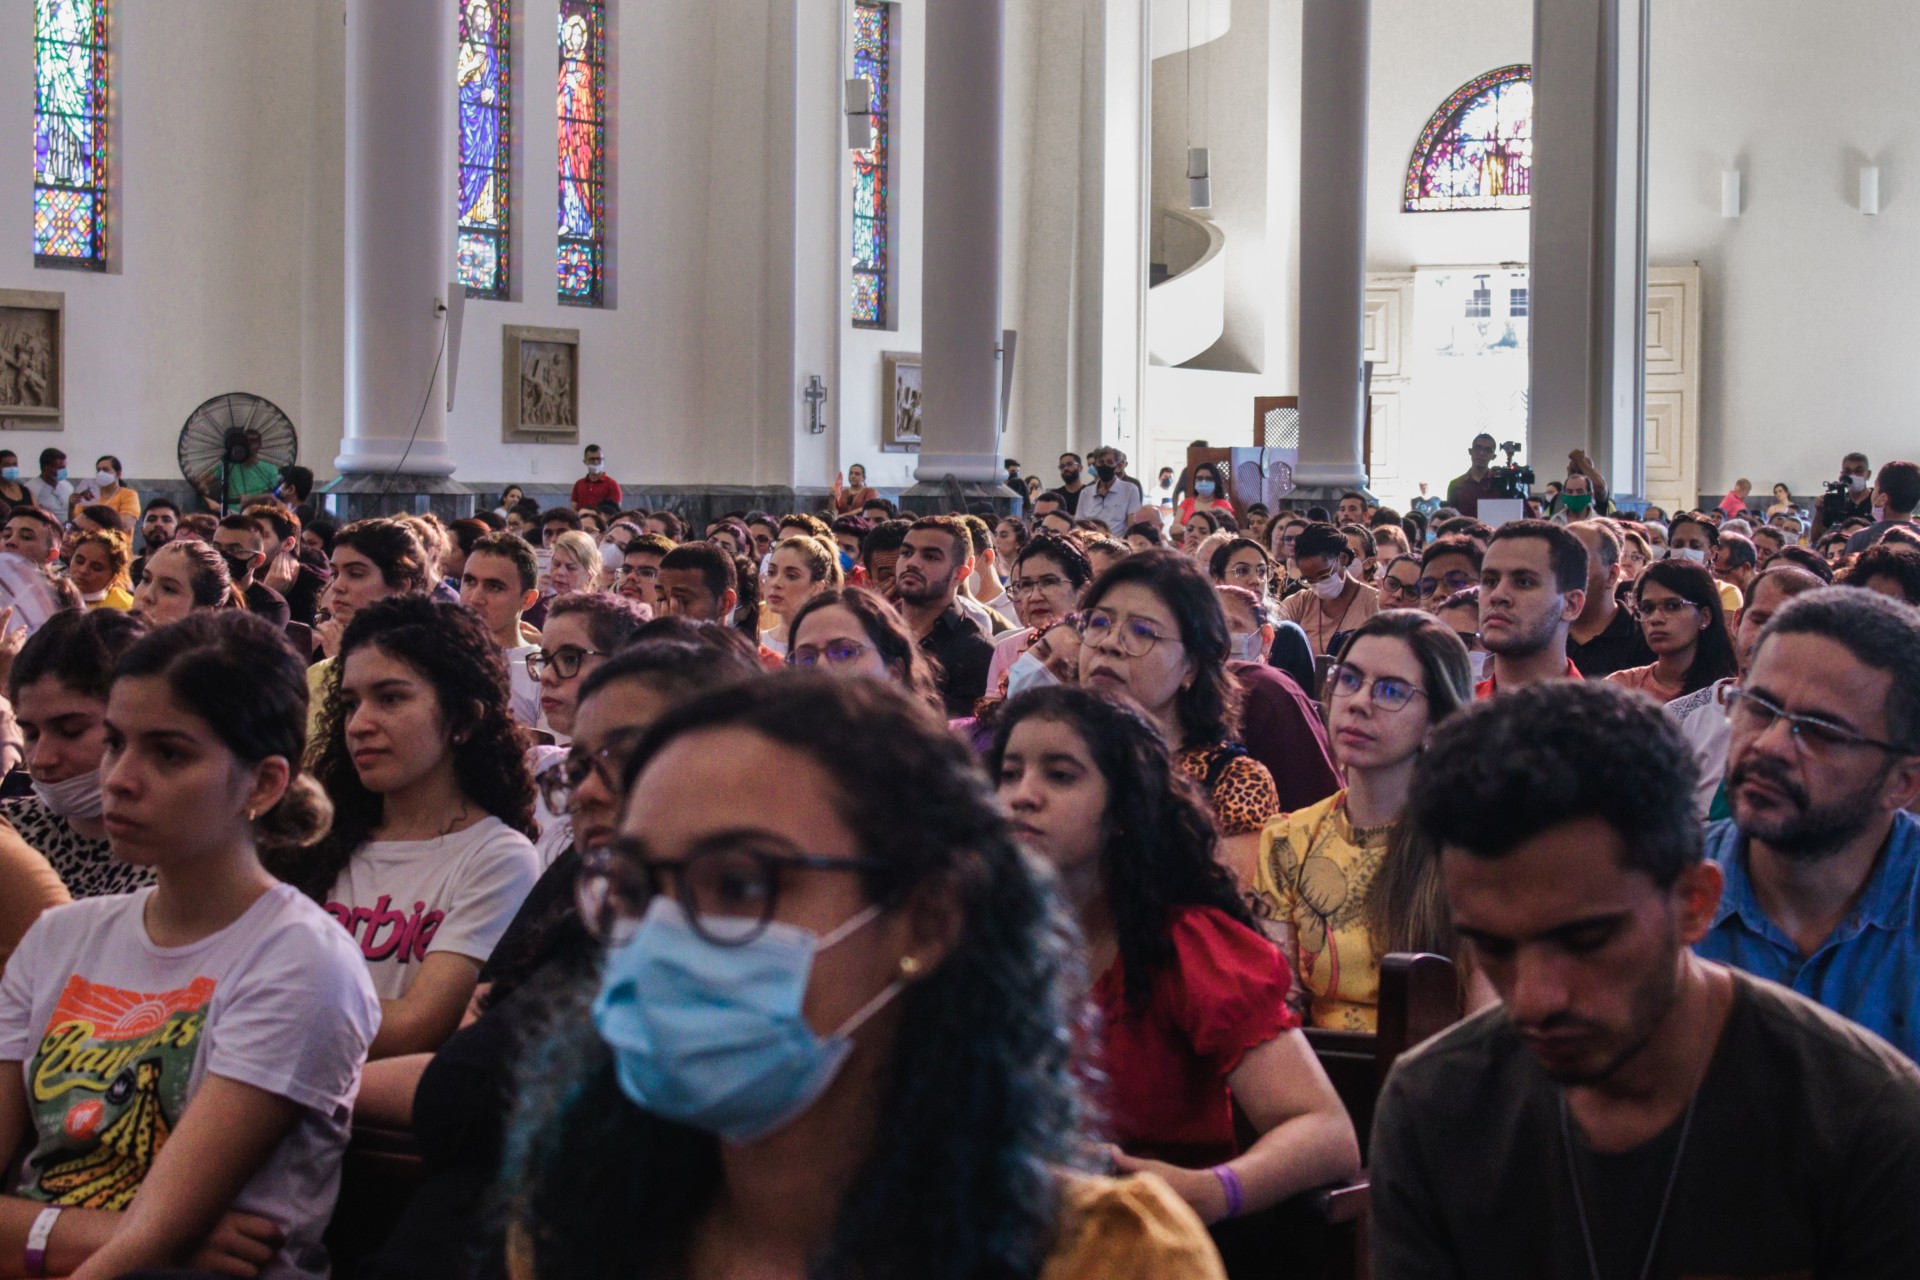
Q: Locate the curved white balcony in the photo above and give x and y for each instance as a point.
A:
(1187, 312)
(1210, 19)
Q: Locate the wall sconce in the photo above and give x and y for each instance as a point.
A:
(1730, 193)
(859, 114)
(1870, 190)
(1199, 182)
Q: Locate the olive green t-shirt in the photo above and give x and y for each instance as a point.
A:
(1803, 1160)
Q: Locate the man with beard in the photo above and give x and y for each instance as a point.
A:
(1628, 1108)
(1533, 584)
(157, 527)
(935, 558)
(1821, 860)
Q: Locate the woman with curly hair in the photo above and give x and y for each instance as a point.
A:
(97, 568)
(430, 853)
(1152, 630)
(852, 631)
(1191, 995)
(881, 1081)
(1347, 880)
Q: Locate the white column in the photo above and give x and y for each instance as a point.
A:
(399, 243)
(1333, 242)
(960, 329)
(1589, 238)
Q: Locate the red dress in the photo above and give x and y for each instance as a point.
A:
(1165, 1066)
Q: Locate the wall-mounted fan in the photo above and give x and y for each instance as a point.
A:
(234, 445)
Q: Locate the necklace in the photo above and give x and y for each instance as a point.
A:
(1666, 1197)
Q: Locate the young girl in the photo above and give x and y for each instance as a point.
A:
(799, 569)
(1325, 869)
(1191, 995)
(429, 856)
(1678, 605)
(181, 1061)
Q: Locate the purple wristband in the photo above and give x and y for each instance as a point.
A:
(1230, 1183)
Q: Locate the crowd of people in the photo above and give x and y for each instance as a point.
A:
(859, 894)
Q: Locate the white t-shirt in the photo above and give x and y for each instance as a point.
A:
(526, 690)
(114, 1036)
(403, 900)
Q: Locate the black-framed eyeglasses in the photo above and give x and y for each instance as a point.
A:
(729, 885)
(1020, 588)
(565, 661)
(1389, 693)
(1814, 734)
(558, 782)
(1458, 580)
(835, 653)
(1393, 588)
(1130, 637)
(1672, 607)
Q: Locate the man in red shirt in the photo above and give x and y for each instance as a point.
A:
(1533, 584)
(596, 487)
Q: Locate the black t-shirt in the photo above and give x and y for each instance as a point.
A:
(266, 604)
(1804, 1160)
(1070, 496)
(965, 654)
(1617, 648)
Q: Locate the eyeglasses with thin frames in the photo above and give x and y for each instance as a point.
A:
(1020, 588)
(835, 653)
(1387, 692)
(1815, 735)
(1130, 637)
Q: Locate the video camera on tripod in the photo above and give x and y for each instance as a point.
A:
(1512, 480)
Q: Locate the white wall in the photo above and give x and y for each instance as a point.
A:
(226, 230)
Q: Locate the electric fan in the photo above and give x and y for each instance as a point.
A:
(236, 436)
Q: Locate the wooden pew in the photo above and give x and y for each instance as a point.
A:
(1321, 1235)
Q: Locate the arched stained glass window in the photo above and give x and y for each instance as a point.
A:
(583, 146)
(70, 133)
(1477, 151)
(872, 190)
(485, 85)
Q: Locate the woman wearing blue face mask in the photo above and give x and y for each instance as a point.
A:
(1342, 877)
(832, 1029)
(1209, 492)
(11, 489)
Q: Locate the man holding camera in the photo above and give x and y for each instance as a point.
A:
(1848, 498)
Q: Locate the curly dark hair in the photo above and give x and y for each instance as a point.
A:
(914, 669)
(1505, 771)
(1160, 850)
(1896, 564)
(977, 1108)
(1209, 708)
(449, 646)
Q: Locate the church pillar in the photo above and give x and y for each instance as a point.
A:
(1333, 243)
(399, 239)
(1589, 262)
(961, 324)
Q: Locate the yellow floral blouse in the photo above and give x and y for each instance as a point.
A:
(1314, 872)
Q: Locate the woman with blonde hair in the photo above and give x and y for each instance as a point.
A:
(577, 564)
(798, 569)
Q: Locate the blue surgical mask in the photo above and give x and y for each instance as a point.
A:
(1203, 487)
(9, 474)
(59, 475)
(1028, 672)
(846, 563)
(714, 1037)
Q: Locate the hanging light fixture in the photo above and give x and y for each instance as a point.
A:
(1199, 162)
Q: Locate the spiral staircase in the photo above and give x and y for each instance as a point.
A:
(1187, 289)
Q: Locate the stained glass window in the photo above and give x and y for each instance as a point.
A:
(872, 190)
(70, 133)
(583, 146)
(1477, 151)
(484, 76)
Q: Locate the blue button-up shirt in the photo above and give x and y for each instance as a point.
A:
(1868, 969)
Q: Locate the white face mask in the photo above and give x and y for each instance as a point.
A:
(1694, 554)
(1028, 672)
(612, 557)
(1245, 645)
(1481, 660)
(1858, 484)
(1330, 588)
(595, 468)
(105, 479)
(77, 797)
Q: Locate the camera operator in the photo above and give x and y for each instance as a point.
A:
(1895, 495)
(1465, 492)
(1848, 498)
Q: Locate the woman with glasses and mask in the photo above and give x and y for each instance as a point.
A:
(830, 1036)
(1460, 612)
(1190, 995)
(1152, 631)
(1344, 878)
(1678, 605)
(457, 1101)
(855, 633)
(1048, 577)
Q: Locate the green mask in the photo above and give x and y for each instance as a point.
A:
(1576, 502)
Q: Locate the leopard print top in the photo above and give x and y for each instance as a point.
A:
(1243, 794)
(87, 867)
